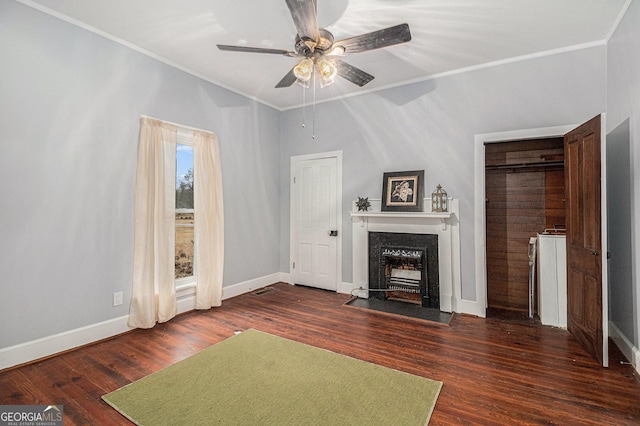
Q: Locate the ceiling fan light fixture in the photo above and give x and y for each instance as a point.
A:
(336, 51)
(304, 69)
(324, 83)
(328, 72)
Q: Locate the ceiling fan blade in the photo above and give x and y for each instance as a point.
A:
(351, 73)
(304, 14)
(256, 50)
(287, 80)
(376, 39)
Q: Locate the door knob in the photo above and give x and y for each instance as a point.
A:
(595, 253)
(333, 233)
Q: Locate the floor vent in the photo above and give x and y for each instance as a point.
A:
(264, 290)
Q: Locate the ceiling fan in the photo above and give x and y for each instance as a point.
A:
(319, 51)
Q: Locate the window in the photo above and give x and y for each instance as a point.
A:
(184, 249)
(163, 200)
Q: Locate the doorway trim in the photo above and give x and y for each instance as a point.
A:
(480, 221)
(295, 160)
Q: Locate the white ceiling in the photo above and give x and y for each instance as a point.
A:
(447, 36)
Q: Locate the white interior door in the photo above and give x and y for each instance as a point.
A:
(314, 222)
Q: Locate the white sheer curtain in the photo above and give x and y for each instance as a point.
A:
(153, 297)
(154, 294)
(209, 220)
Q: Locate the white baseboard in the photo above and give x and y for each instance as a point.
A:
(626, 347)
(341, 287)
(251, 285)
(50, 345)
(347, 288)
(46, 346)
(284, 277)
(471, 307)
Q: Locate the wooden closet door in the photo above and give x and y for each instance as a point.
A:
(584, 239)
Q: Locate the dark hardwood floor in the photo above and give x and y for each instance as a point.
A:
(494, 371)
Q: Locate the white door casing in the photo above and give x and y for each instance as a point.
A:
(480, 217)
(315, 212)
(479, 306)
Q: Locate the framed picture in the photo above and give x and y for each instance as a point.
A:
(403, 191)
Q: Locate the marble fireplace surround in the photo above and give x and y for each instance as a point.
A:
(445, 225)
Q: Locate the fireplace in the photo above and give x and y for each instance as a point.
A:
(447, 249)
(404, 267)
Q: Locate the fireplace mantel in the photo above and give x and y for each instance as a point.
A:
(442, 217)
(445, 225)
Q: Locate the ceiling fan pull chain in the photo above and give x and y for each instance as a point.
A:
(304, 91)
(313, 132)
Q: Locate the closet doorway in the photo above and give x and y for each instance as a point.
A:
(525, 195)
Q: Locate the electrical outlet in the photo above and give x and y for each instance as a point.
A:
(117, 298)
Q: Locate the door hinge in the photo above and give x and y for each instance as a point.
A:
(294, 179)
(294, 265)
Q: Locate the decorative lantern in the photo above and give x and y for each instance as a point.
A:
(439, 200)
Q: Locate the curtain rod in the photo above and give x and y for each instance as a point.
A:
(179, 126)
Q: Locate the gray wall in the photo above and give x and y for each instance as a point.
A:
(623, 103)
(70, 102)
(431, 126)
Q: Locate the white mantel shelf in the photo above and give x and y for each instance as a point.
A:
(445, 215)
(362, 215)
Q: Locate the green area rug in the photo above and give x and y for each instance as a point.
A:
(255, 378)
